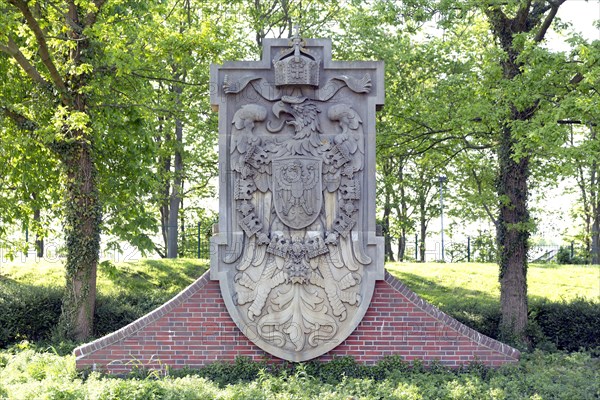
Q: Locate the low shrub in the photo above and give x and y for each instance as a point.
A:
(554, 325)
(571, 325)
(27, 374)
(27, 312)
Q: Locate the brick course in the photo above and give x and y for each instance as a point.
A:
(195, 329)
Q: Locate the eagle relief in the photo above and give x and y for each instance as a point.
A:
(295, 250)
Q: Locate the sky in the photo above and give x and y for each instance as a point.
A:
(582, 14)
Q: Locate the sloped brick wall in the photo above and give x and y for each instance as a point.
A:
(195, 329)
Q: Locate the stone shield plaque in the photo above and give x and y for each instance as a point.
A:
(295, 250)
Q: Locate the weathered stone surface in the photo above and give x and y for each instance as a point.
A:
(295, 251)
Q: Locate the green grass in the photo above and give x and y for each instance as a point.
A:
(442, 283)
(436, 282)
(140, 276)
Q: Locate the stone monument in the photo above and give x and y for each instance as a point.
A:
(296, 270)
(295, 251)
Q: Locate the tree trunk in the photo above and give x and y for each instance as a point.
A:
(165, 165)
(39, 240)
(387, 209)
(83, 212)
(423, 228)
(37, 217)
(402, 212)
(595, 206)
(83, 217)
(402, 245)
(513, 236)
(596, 234)
(175, 196)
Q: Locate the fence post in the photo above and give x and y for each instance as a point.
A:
(468, 248)
(572, 250)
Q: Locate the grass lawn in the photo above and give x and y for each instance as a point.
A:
(441, 283)
(144, 275)
(436, 282)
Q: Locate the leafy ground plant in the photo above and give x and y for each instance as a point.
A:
(29, 374)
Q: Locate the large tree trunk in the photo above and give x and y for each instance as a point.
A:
(83, 216)
(513, 222)
(513, 236)
(83, 212)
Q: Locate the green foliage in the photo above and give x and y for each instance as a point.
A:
(27, 311)
(564, 256)
(569, 325)
(26, 374)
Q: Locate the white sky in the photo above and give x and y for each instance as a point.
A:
(583, 14)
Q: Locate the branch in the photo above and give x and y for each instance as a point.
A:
(548, 21)
(13, 50)
(19, 119)
(43, 46)
(161, 79)
(90, 19)
(523, 13)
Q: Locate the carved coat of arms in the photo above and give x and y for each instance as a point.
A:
(295, 252)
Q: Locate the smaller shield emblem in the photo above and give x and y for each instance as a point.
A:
(297, 190)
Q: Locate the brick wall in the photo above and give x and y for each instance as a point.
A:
(194, 329)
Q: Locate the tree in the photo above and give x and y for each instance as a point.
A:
(54, 53)
(519, 29)
(516, 85)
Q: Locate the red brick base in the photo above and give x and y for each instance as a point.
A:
(195, 329)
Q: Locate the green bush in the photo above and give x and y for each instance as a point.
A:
(27, 374)
(570, 326)
(566, 325)
(27, 312)
(579, 258)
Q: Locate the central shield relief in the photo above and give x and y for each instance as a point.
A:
(297, 190)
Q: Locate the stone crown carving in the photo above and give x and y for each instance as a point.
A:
(296, 66)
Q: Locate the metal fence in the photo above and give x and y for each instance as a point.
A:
(484, 250)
